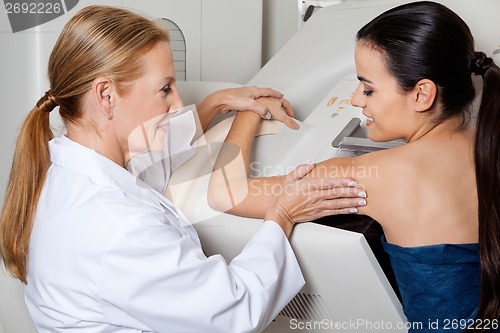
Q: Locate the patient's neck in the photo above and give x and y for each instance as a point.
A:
(453, 124)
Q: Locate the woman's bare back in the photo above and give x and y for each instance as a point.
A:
(422, 193)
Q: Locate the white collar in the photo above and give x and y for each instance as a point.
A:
(71, 155)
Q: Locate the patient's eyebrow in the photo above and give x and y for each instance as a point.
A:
(363, 79)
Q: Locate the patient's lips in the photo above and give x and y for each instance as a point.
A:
(369, 120)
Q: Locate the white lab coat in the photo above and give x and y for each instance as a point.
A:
(109, 254)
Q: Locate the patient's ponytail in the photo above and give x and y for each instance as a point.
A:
(29, 167)
(487, 160)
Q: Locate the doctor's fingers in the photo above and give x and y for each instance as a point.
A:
(320, 194)
(329, 207)
(252, 92)
(326, 182)
(342, 206)
(309, 193)
(256, 92)
(243, 99)
(312, 211)
(245, 103)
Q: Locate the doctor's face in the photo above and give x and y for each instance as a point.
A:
(379, 95)
(143, 111)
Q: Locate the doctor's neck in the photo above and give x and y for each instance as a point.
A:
(100, 139)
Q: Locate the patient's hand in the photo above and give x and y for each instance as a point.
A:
(266, 102)
(279, 109)
(246, 99)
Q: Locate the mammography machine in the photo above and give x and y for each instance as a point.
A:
(346, 289)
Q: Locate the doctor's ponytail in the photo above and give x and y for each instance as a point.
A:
(97, 41)
(29, 167)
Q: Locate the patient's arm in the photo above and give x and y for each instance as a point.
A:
(232, 191)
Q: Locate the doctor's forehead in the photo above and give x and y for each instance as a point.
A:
(159, 61)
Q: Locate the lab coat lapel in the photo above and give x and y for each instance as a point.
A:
(69, 154)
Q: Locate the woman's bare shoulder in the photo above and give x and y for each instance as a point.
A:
(367, 166)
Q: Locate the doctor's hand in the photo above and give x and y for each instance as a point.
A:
(300, 199)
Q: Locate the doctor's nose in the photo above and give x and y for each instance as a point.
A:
(176, 103)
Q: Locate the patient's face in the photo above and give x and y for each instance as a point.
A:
(380, 97)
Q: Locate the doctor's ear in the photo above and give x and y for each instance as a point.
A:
(102, 90)
(425, 93)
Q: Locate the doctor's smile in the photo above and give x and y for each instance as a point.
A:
(162, 127)
(332, 187)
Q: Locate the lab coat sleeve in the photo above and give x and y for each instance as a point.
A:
(154, 278)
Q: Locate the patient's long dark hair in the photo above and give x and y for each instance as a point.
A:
(427, 40)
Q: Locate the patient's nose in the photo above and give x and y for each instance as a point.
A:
(358, 99)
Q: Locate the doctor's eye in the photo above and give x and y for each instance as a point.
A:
(166, 90)
(367, 92)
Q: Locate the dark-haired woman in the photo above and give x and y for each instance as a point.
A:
(438, 196)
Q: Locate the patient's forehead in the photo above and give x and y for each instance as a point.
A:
(370, 63)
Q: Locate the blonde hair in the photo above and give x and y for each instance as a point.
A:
(97, 41)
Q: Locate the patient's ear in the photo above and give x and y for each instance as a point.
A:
(424, 95)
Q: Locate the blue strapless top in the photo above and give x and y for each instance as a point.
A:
(439, 284)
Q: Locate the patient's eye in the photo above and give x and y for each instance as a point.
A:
(367, 92)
